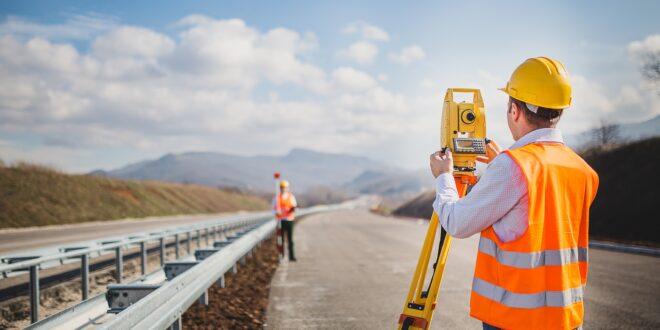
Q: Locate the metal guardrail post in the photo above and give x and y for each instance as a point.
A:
(162, 251)
(84, 269)
(119, 264)
(221, 282)
(143, 257)
(199, 239)
(188, 239)
(206, 236)
(34, 293)
(204, 298)
(177, 325)
(176, 245)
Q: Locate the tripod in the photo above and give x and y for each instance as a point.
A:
(420, 304)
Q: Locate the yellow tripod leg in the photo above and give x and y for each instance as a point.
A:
(420, 305)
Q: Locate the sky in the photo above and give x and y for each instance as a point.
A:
(99, 84)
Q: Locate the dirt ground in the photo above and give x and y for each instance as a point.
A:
(243, 303)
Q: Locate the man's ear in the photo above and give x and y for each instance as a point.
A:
(515, 111)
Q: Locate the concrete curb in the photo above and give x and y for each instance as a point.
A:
(655, 252)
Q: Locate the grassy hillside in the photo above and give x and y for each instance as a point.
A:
(37, 196)
(625, 208)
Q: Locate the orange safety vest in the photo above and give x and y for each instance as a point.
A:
(537, 281)
(285, 203)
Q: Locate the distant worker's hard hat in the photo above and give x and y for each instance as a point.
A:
(540, 81)
(284, 184)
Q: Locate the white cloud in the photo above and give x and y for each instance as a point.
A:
(646, 53)
(362, 52)
(366, 31)
(428, 83)
(353, 80)
(216, 85)
(408, 55)
(130, 41)
(650, 45)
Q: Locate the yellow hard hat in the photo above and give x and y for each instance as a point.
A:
(540, 81)
(284, 184)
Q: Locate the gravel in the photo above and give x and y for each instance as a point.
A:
(243, 302)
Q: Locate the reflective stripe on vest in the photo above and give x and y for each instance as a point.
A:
(532, 259)
(527, 300)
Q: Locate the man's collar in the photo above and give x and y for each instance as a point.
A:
(539, 135)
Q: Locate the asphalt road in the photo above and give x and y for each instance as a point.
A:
(354, 269)
(15, 240)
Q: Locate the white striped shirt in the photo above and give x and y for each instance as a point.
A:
(499, 198)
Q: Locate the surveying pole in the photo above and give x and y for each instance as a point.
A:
(464, 133)
(280, 244)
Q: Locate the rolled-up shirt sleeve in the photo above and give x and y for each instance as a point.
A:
(498, 191)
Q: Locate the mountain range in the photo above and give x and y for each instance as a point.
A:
(306, 169)
(319, 173)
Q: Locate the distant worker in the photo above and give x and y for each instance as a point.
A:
(531, 206)
(285, 205)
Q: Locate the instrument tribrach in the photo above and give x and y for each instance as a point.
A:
(464, 133)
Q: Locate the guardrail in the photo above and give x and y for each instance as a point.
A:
(173, 297)
(163, 307)
(209, 228)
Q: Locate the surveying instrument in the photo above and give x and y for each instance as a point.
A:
(464, 133)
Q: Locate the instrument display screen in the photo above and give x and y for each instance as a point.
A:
(469, 146)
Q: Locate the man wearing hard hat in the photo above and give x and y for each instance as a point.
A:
(531, 207)
(285, 205)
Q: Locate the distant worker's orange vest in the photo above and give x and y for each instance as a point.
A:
(537, 281)
(285, 203)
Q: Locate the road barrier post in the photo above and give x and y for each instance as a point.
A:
(119, 264)
(143, 257)
(176, 246)
(177, 325)
(84, 268)
(162, 251)
(34, 293)
(188, 239)
(199, 239)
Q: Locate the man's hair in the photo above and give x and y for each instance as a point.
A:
(542, 118)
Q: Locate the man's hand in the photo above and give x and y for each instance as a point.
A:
(492, 150)
(441, 162)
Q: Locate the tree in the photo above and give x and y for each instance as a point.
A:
(651, 67)
(606, 135)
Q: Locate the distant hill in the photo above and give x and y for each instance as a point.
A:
(419, 207)
(316, 174)
(628, 132)
(304, 168)
(36, 196)
(625, 208)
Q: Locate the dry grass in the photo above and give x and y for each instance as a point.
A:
(34, 195)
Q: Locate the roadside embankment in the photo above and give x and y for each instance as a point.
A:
(33, 195)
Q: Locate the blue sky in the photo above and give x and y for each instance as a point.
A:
(99, 84)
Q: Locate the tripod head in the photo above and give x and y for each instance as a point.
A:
(464, 129)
